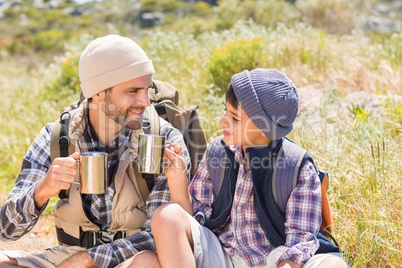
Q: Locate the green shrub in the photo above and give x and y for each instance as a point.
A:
(49, 41)
(67, 81)
(160, 5)
(393, 118)
(68, 77)
(233, 58)
(333, 16)
(393, 46)
(268, 13)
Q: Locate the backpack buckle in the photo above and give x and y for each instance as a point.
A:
(64, 114)
(89, 239)
(64, 141)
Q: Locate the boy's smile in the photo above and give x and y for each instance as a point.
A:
(238, 129)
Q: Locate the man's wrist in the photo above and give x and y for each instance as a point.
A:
(39, 198)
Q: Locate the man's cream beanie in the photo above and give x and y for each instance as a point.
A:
(109, 61)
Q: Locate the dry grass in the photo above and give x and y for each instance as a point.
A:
(335, 74)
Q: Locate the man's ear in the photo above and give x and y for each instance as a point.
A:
(100, 97)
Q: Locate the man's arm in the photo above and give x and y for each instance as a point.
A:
(38, 181)
(19, 214)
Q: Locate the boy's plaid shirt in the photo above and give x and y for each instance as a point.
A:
(19, 214)
(242, 234)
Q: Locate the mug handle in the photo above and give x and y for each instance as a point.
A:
(77, 176)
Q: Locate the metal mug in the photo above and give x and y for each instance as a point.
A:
(150, 153)
(92, 172)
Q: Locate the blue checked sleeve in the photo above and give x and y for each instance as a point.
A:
(201, 191)
(303, 217)
(19, 213)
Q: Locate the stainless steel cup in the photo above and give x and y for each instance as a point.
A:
(93, 172)
(150, 153)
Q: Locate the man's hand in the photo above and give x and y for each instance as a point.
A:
(79, 260)
(59, 177)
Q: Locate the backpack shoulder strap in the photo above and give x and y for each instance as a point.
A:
(60, 145)
(327, 222)
(150, 121)
(286, 172)
(216, 158)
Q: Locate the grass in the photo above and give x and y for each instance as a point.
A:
(339, 132)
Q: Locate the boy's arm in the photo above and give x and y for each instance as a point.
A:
(202, 193)
(303, 217)
(176, 173)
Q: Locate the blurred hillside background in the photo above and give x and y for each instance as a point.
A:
(344, 56)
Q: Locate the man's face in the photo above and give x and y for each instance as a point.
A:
(125, 103)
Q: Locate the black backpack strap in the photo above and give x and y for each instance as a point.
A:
(64, 140)
(150, 121)
(161, 109)
(215, 161)
(188, 134)
(149, 179)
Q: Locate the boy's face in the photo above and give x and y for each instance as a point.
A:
(238, 129)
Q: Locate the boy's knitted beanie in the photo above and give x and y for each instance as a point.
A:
(269, 98)
(109, 61)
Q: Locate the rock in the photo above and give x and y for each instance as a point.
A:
(383, 24)
(150, 19)
(383, 9)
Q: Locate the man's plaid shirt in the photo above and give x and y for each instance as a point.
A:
(19, 214)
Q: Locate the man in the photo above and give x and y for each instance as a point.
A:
(99, 229)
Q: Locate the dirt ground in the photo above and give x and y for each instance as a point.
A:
(42, 236)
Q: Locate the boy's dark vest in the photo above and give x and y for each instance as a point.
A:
(270, 216)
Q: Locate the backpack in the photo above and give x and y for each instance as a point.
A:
(164, 99)
(287, 176)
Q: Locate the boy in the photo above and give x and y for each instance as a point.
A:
(235, 228)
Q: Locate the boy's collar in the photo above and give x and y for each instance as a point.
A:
(271, 146)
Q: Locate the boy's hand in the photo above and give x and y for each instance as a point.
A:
(175, 168)
(59, 177)
(173, 161)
